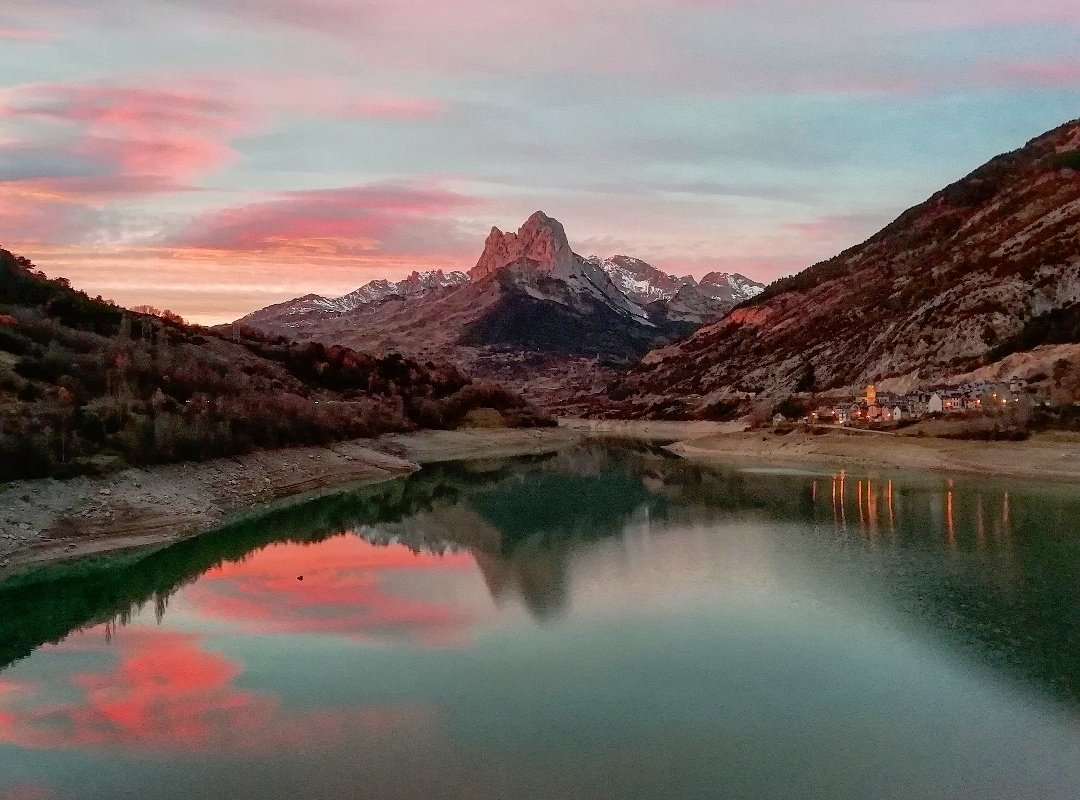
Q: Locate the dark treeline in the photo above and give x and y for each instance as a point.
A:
(87, 386)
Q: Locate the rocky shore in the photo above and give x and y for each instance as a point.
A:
(49, 520)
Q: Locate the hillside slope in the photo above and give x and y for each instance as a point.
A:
(87, 386)
(987, 266)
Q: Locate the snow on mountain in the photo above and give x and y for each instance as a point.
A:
(639, 280)
(644, 283)
(417, 283)
(729, 288)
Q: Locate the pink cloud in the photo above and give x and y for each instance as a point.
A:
(395, 108)
(132, 130)
(1064, 74)
(101, 188)
(31, 216)
(356, 219)
(77, 148)
(837, 230)
(27, 35)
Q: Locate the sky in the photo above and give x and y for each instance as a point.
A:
(215, 156)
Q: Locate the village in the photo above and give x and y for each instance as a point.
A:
(880, 409)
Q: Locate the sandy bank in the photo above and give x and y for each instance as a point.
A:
(48, 520)
(429, 447)
(649, 430)
(1044, 456)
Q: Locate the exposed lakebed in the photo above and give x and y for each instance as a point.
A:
(603, 622)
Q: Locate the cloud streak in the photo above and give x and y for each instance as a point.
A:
(383, 218)
(26, 35)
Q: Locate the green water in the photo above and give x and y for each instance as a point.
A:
(603, 623)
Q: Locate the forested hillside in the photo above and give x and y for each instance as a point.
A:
(87, 386)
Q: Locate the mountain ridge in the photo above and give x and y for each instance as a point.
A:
(939, 290)
(534, 260)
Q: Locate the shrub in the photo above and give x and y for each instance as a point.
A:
(484, 418)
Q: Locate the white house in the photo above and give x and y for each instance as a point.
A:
(934, 405)
(897, 414)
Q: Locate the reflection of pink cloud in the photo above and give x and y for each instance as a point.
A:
(163, 692)
(342, 592)
(166, 692)
(28, 791)
(350, 219)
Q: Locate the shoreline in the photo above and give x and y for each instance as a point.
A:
(49, 520)
(1046, 457)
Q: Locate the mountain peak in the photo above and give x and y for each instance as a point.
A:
(731, 287)
(541, 241)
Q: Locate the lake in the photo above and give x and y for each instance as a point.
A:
(606, 622)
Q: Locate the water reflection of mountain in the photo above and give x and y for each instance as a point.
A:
(47, 604)
(993, 567)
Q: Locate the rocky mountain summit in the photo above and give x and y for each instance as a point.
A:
(987, 267)
(727, 287)
(538, 261)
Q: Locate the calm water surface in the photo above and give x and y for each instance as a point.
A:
(599, 624)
